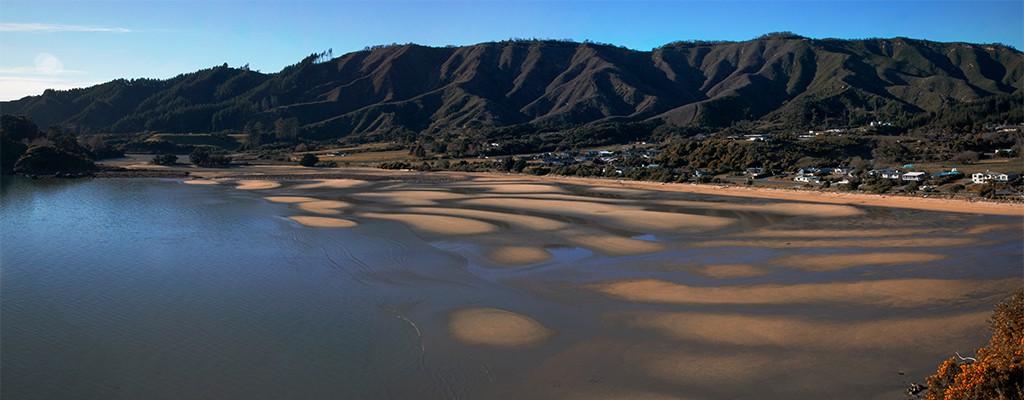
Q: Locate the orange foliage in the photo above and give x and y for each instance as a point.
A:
(998, 372)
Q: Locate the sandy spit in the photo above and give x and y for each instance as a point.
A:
(497, 327)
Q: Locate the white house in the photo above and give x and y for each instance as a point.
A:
(980, 177)
(891, 174)
(807, 178)
(1002, 177)
(842, 170)
(915, 176)
(987, 176)
(887, 173)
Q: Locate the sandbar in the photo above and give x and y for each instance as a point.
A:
(332, 184)
(257, 184)
(801, 332)
(408, 197)
(437, 224)
(840, 233)
(727, 271)
(794, 209)
(897, 293)
(323, 206)
(836, 262)
(614, 246)
(200, 182)
(289, 199)
(518, 255)
(497, 327)
(916, 242)
(515, 188)
(323, 222)
(524, 221)
(620, 216)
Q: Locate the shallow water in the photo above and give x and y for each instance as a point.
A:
(154, 289)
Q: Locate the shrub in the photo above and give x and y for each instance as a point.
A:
(308, 160)
(998, 372)
(48, 160)
(164, 159)
(204, 156)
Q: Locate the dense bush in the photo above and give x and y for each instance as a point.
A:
(164, 159)
(998, 372)
(203, 156)
(48, 160)
(309, 160)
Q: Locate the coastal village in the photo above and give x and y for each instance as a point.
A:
(996, 175)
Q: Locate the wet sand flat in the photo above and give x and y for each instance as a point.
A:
(323, 222)
(730, 270)
(800, 332)
(497, 327)
(835, 262)
(257, 184)
(878, 293)
(437, 224)
(620, 216)
(667, 291)
(518, 255)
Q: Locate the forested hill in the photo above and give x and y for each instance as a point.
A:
(781, 81)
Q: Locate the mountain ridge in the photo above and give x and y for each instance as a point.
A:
(779, 80)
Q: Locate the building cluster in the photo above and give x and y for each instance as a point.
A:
(619, 160)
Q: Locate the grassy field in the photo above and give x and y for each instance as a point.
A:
(226, 142)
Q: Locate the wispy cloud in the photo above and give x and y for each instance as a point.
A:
(50, 28)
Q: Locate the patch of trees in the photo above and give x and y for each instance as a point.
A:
(26, 150)
(779, 155)
(205, 156)
(974, 116)
(309, 160)
(164, 159)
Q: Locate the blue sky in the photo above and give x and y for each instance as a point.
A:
(65, 44)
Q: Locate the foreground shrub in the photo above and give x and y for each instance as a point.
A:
(998, 372)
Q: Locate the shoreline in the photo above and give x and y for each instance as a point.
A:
(838, 198)
(288, 173)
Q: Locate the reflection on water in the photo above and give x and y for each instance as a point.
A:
(154, 289)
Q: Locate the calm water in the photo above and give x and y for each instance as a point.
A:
(154, 289)
(149, 289)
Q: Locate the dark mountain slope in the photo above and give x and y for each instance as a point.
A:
(781, 79)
